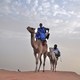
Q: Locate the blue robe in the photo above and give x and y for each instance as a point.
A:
(41, 34)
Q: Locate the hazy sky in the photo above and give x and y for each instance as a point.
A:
(61, 16)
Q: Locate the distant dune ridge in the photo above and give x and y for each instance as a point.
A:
(31, 75)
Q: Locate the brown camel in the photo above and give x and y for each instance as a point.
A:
(53, 59)
(38, 48)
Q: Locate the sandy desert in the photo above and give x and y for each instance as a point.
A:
(31, 75)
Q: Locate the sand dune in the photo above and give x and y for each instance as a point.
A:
(31, 75)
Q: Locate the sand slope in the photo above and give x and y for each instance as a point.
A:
(47, 75)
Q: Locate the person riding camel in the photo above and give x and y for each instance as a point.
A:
(42, 33)
(56, 51)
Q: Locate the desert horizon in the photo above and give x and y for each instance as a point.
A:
(31, 75)
(18, 70)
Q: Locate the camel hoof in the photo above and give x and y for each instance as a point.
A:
(35, 71)
(38, 70)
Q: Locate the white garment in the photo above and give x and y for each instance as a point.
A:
(36, 30)
(55, 51)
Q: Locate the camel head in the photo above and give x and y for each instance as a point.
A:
(30, 29)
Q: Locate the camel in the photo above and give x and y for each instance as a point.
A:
(38, 48)
(53, 59)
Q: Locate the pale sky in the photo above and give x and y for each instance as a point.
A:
(61, 16)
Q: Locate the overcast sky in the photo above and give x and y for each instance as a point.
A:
(61, 16)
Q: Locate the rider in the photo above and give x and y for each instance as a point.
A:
(42, 33)
(56, 51)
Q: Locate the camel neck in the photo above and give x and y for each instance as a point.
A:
(32, 38)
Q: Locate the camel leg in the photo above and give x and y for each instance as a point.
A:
(36, 63)
(36, 58)
(55, 65)
(44, 62)
(39, 57)
(51, 65)
(50, 58)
